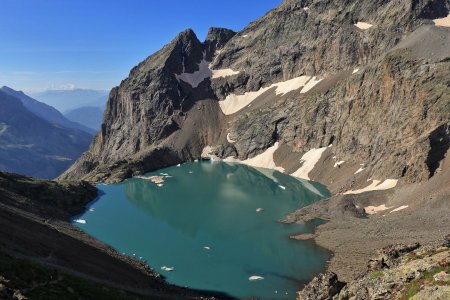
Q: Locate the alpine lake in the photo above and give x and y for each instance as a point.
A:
(212, 226)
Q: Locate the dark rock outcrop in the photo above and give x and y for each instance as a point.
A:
(416, 274)
(322, 287)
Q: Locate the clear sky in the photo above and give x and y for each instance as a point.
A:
(94, 43)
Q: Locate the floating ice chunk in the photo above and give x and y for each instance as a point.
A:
(160, 184)
(282, 187)
(190, 172)
(195, 160)
(80, 221)
(207, 248)
(179, 165)
(92, 209)
(168, 269)
(259, 209)
(255, 278)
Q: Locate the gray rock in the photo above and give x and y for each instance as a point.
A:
(322, 287)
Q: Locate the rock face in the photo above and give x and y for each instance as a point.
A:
(369, 78)
(33, 146)
(404, 272)
(163, 113)
(322, 287)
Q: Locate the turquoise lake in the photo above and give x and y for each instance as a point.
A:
(203, 222)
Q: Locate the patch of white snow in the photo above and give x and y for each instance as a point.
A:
(363, 25)
(399, 208)
(309, 160)
(443, 22)
(376, 185)
(265, 159)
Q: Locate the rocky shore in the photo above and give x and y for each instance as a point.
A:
(396, 272)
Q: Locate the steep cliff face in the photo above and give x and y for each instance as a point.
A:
(369, 78)
(162, 114)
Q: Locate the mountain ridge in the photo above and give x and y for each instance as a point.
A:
(33, 146)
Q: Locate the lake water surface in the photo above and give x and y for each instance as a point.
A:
(203, 222)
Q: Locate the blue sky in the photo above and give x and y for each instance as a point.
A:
(93, 44)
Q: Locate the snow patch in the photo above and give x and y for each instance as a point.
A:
(229, 139)
(312, 83)
(223, 73)
(265, 159)
(233, 102)
(375, 186)
(359, 170)
(194, 79)
(363, 25)
(291, 85)
(444, 22)
(355, 71)
(337, 164)
(309, 160)
(245, 35)
(399, 208)
(371, 210)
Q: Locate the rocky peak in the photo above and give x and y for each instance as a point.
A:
(216, 39)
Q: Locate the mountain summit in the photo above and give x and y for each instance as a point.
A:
(306, 76)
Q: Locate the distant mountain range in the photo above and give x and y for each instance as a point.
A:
(66, 100)
(47, 112)
(35, 139)
(90, 116)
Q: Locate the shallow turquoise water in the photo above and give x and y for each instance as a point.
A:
(213, 205)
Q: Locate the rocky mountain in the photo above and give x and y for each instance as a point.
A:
(68, 99)
(351, 94)
(90, 116)
(45, 111)
(33, 146)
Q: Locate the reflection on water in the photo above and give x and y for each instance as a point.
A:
(203, 222)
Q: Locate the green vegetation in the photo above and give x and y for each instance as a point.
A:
(376, 274)
(425, 280)
(38, 282)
